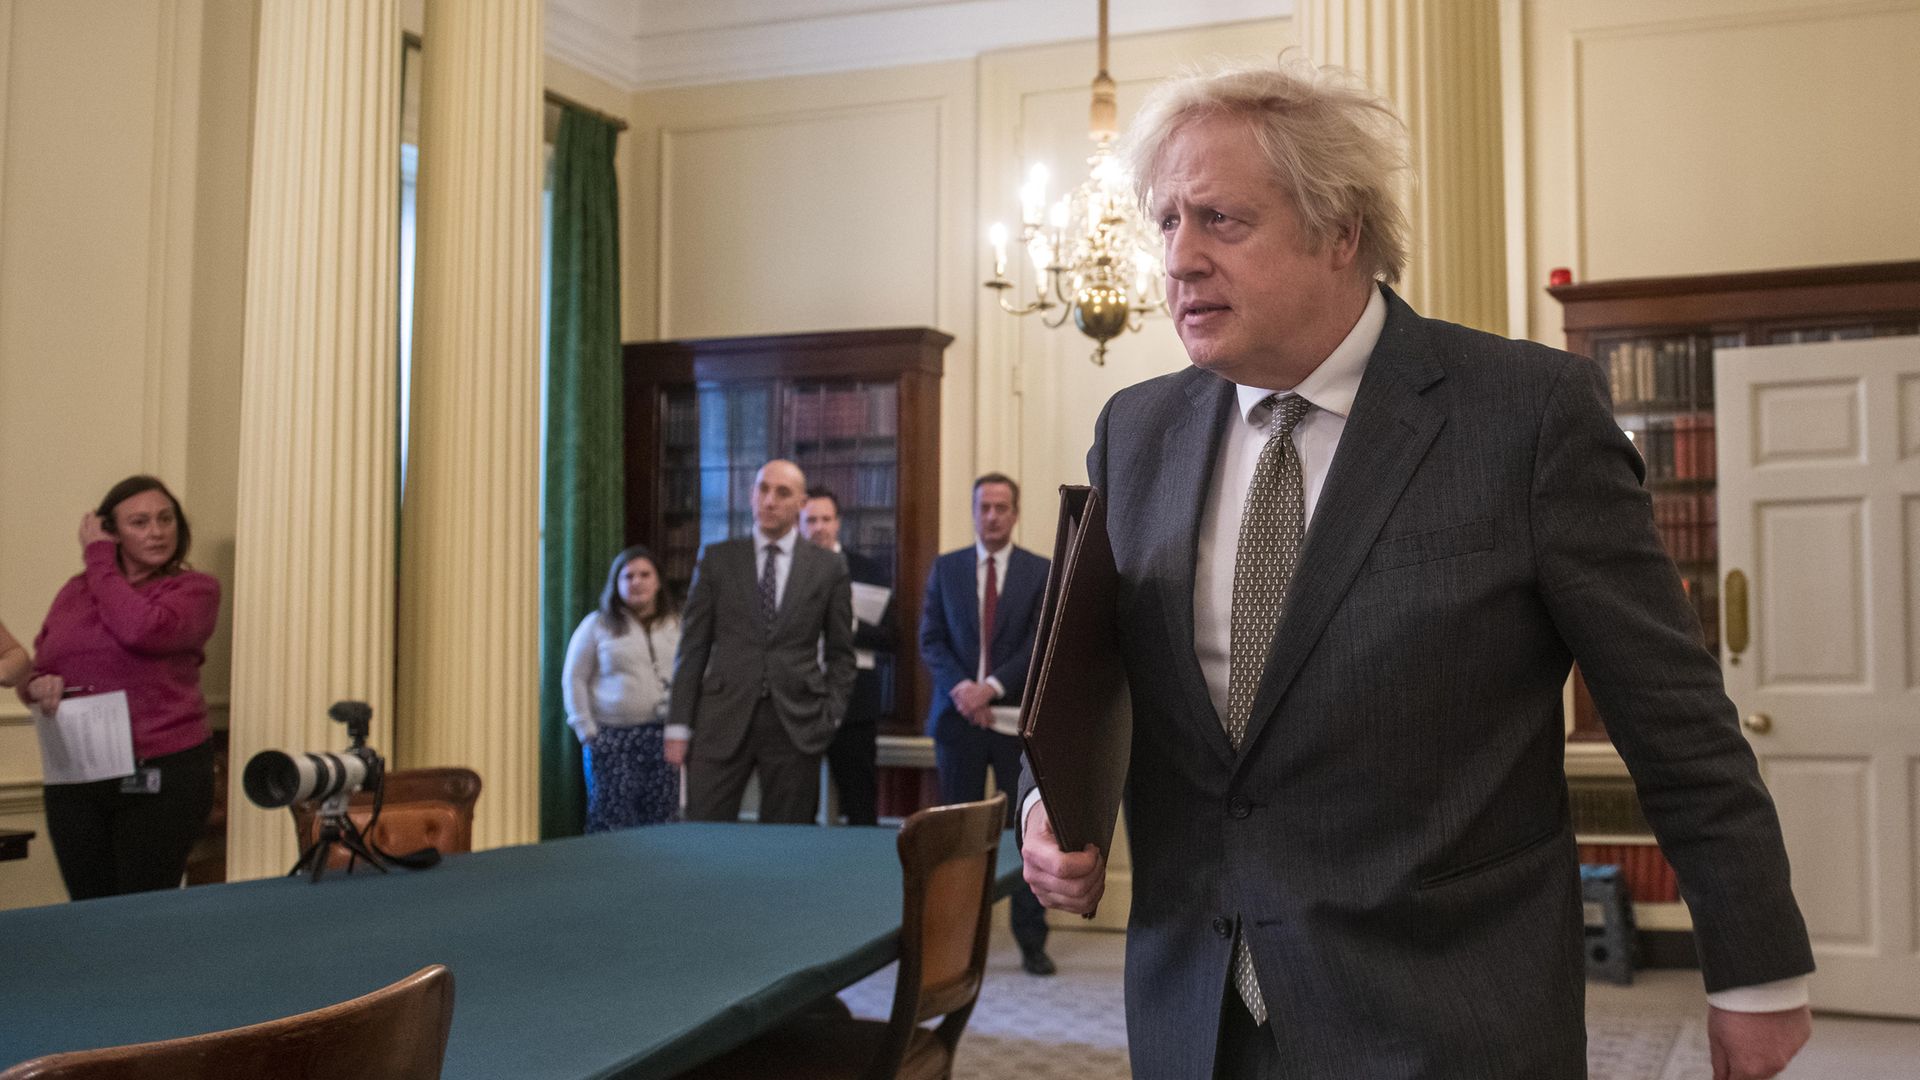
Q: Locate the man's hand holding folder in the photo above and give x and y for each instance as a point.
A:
(1077, 721)
(1063, 880)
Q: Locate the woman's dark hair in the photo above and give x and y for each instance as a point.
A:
(139, 485)
(614, 611)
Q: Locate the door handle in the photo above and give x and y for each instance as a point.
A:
(1737, 637)
(1759, 723)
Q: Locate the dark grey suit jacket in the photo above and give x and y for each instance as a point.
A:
(729, 658)
(1393, 834)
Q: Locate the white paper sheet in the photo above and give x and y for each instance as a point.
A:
(1006, 719)
(87, 738)
(870, 602)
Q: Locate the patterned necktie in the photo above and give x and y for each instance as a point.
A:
(989, 605)
(1272, 523)
(769, 584)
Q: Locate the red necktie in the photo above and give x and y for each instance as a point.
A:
(988, 603)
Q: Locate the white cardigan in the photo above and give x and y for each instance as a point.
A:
(617, 681)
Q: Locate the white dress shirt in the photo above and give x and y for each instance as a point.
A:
(781, 570)
(1331, 388)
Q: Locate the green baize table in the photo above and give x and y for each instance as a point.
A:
(628, 954)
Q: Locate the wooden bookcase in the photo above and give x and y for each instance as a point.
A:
(1655, 338)
(858, 410)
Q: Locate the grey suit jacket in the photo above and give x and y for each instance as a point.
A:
(1393, 835)
(729, 658)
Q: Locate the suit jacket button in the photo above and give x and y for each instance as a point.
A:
(1223, 926)
(1239, 807)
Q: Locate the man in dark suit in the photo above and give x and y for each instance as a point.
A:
(850, 757)
(1358, 550)
(976, 636)
(754, 687)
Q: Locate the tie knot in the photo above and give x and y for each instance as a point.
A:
(1286, 411)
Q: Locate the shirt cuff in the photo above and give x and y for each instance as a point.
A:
(677, 731)
(1027, 808)
(999, 691)
(1776, 996)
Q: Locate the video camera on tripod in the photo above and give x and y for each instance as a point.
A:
(273, 779)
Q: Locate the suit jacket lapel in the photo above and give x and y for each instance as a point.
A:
(1187, 454)
(963, 590)
(1013, 591)
(799, 577)
(1386, 436)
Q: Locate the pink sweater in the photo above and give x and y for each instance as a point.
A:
(146, 639)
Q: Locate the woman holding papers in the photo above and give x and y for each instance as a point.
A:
(615, 682)
(130, 630)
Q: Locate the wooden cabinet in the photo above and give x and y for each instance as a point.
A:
(1655, 339)
(859, 411)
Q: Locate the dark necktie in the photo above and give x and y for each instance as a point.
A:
(989, 604)
(769, 584)
(1272, 524)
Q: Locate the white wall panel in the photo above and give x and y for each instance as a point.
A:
(809, 221)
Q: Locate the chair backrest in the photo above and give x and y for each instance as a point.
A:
(947, 856)
(423, 808)
(398, 1032)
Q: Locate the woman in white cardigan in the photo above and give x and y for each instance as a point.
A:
(618, 671)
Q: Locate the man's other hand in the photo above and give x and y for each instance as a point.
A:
(1063, 880)
(1754, 1046)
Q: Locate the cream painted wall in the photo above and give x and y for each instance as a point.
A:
(1666, 137)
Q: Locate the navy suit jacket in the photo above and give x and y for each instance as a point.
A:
(950, 629)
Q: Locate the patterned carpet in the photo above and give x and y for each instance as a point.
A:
(1071, 1026)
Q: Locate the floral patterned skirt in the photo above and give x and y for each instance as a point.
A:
(628, 779)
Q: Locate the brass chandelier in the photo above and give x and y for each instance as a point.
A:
(1094, 256)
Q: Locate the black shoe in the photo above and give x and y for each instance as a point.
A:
(1037, 962)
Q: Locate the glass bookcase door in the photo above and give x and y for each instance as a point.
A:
(737, 436)
(843, 434)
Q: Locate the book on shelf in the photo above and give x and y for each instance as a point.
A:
(1650, 878)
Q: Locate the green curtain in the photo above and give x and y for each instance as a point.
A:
(583, 511)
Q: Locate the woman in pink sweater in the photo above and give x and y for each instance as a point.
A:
(136, 619)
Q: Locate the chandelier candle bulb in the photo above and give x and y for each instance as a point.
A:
(997, 236)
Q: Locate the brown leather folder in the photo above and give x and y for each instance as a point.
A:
(1077, 719)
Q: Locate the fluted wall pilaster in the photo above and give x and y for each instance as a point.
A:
(469, 605)
(1440, 66)
(313, 566)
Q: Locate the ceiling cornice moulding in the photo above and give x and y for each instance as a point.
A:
(656, 44)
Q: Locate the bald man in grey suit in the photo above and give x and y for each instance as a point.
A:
(765, 665)
(1358, 551)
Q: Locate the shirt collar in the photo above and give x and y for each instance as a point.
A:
(981, 554)
(785, 543)
(1333, 385)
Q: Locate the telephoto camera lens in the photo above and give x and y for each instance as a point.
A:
(273, 778)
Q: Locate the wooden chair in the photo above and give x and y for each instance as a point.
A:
(423, 808)
(398, 1032)
(947, 855)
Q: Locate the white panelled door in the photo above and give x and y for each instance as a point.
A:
(1819, 459)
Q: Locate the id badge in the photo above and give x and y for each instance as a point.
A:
(144, 781)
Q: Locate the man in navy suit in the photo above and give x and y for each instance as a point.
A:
(987, 593)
